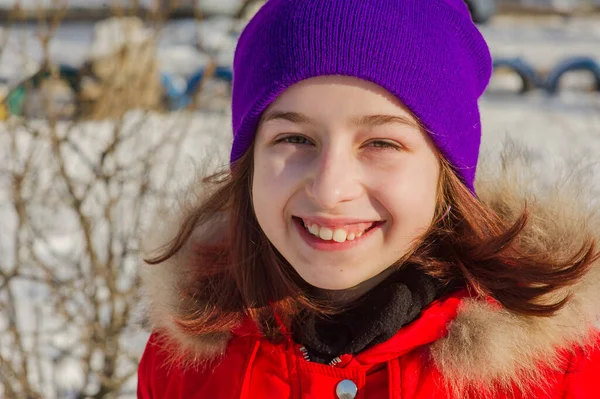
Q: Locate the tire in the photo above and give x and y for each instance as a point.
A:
(571, 65)
(481, 10)
(221, 73)
(17, 101)
(175, 97)
(523, 69)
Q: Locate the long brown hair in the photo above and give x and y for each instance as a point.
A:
(468, 244)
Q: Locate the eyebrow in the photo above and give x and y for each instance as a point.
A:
(380, 120)
(365, 120)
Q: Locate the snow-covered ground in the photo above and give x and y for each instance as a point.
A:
(543, 41)
(561, 134)
(164, 149)
(556, 130)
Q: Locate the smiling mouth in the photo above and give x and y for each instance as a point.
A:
(339, 234)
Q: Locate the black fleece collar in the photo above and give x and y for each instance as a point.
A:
(372, 319)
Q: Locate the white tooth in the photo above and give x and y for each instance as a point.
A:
(314, 229)
(339, 235)
(350, 237)
(359, 234)
(326, 233)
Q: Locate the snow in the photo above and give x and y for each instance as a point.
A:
(115, 33)
(186, 45)
(543, 42)
(181, 60)
(60, 241)
(561, 133)
(178, 45)
(69, 374)
(50, 4)
(228, 7)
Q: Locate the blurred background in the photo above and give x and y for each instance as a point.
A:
(109, 108)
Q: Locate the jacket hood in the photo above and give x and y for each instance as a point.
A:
(485, 345)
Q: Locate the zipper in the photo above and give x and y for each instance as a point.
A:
(306, 357)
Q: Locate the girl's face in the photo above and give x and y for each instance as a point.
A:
(344, 180)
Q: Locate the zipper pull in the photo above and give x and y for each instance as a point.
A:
(335, 361)
(306, 357)
(304, 352)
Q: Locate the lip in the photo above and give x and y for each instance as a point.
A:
(335, 223)
(331, 245)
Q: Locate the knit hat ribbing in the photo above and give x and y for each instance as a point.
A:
(428, 53)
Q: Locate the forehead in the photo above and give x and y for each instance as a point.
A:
(326, 97)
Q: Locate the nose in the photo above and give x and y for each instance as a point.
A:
(334, 179)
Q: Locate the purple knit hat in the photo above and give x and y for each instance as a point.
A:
(428, 53)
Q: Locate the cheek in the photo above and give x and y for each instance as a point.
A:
(412, 201)
(279, 175)
(271, 190)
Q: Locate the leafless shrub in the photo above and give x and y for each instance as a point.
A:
(73, 196)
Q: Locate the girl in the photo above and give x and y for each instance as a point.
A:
(346, 253)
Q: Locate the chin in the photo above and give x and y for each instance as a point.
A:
(332, 282)
(329, 286)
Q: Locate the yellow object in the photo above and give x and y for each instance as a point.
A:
(3, 112)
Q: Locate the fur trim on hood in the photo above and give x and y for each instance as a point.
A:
(485, 345)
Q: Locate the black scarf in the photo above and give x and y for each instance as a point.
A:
(372, 319)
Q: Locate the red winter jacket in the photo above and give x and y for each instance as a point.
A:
(460, 346)
(401, 367)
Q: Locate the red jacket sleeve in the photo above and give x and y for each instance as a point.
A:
(146, 370)
(582, 380)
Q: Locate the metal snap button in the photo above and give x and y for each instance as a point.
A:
(346, 389)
